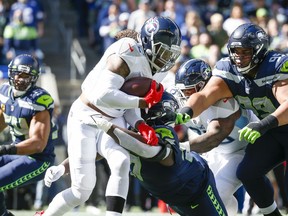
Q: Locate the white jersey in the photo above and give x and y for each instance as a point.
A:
(220, 109)
(132, 53)
(223, 109)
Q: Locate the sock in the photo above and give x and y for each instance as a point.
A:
(3, 209)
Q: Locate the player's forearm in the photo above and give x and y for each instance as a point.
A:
(192, 106)
(133, 142)
(281, 113)
(205, 143)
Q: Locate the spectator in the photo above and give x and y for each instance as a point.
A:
(193, 25)
(19, 38)
(170, 11)
(218, 34)
(110, 26)
(138, 17)
(205, 50)
(236, 18)
(32, 14)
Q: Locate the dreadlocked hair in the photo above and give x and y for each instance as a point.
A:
(127, 33)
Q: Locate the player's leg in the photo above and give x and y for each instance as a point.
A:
(18, 170)
(207, 203)
(260, 158)
(118, 160)
(82, 140)
(226, 181)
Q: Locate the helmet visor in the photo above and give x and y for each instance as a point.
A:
(165, 57)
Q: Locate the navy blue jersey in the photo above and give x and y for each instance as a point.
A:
(180, 183)
(18, 113)
(255, 94)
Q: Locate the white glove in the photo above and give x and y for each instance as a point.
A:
(53, 173)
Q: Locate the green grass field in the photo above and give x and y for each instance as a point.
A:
(31, 213)
(134, 212)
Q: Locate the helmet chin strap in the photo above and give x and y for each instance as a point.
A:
(245, 70)
(18, 93)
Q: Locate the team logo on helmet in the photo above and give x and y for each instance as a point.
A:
(261, 35)
(151, 26)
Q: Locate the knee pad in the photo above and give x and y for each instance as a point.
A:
(119, 162)
(80, 195)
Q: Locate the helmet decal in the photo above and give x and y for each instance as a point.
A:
(162, 113)
(151, 26)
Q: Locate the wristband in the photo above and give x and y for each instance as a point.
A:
(8, 149)
(187, 110)
(267, 123)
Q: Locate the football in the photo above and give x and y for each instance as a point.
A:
(137, 86)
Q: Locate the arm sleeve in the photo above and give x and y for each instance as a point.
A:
(132, 116)
(137, 147)
(105, 92)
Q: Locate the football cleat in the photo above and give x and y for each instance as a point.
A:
(39, 213)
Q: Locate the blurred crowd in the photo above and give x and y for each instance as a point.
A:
(205, 26)
(21, 26)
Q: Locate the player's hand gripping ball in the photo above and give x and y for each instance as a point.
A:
(144, 87)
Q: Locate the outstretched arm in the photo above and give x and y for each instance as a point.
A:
(132, 141)
(217, 131)
(215, 89)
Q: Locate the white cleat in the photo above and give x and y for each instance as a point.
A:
(101, 123)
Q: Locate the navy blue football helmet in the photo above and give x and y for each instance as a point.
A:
(192, 74)
(27, 64)
(162, 113)
(160, 38)
(252, 36)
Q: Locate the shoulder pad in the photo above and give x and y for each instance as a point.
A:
(129, 47)
(45, 100)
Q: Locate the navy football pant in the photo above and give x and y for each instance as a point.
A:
(266, 153)
(19, 170)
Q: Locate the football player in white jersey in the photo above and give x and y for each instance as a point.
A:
(156, 50)
(215, 131)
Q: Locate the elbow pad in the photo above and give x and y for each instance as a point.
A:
(163, 154)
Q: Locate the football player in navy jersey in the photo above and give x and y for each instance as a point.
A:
(215, 131)
(258, 79)
(181, 179)
(27, 110)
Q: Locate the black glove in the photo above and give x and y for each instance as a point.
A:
(8, 149)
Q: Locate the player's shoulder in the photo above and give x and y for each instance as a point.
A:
(274, 63)
(225, 107)
(167, 134)
(128, 47)
(41, 97)
(223, 67)
(223, 63)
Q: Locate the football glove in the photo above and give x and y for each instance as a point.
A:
(154, 95)
(148, 133)
(182, 118)
(53, 173)
(254, 130)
